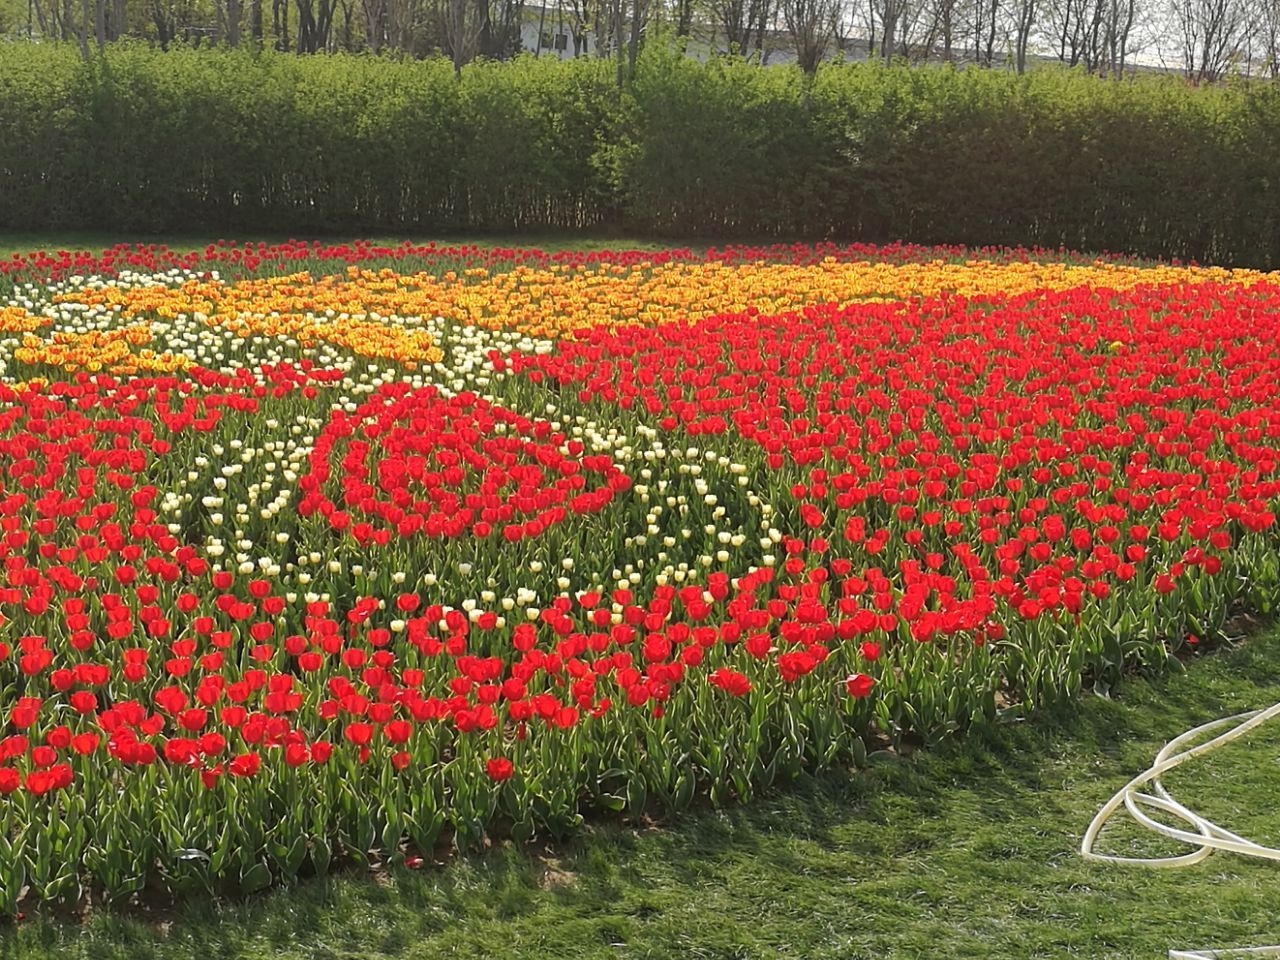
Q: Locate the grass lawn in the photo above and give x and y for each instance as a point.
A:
(965, 851)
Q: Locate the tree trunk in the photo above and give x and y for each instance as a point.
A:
(619, 53)
(83, 33)
(374, 17)
(989, 53)
(634, 49)
(280, 24)
(348, 43)
(457, 34)
(306, 27)
(484, 41)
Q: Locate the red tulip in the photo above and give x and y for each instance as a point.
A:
(859, 685)
(499, 769)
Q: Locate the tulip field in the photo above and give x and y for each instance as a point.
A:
(327, 555)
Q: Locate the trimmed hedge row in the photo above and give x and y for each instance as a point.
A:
(229, 141)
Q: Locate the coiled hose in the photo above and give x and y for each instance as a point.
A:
(1205, 835)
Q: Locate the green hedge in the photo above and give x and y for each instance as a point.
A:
(233, 142)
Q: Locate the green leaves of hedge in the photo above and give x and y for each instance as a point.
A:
(236, 142)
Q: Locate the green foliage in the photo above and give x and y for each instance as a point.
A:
(722, 148)
(142, 141)
(238, 142)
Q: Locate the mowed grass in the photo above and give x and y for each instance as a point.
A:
(968, 850)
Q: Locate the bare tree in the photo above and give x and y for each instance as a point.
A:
(683, 17)
(1063, 19)
(891, 14)
(542, 28)
(499, 37)
(618, 16)
(315, 21)
(279, 24)
(230, 13)
(917, 30)
(600, 19)
(985, 21)
(1098, 34)
(60, 21)
(942, 16)
(1109, 49)
(811, 24)
(579, 23)
(461, 32)
(404, 21)
(639, 21)
(850, 26)
(1022, 20)
(117, 20)
(375, 24)
(1212, 34)
(171, 19)
(82, 33)
(843, 29)
(1268, 38)
(744, 23)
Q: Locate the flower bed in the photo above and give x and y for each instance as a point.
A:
(417, 546)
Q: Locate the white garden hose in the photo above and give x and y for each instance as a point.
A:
(1207, 836)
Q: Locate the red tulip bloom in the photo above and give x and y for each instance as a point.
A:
(499, 769)
(730, 681)
(245, 765)
(859, 685)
